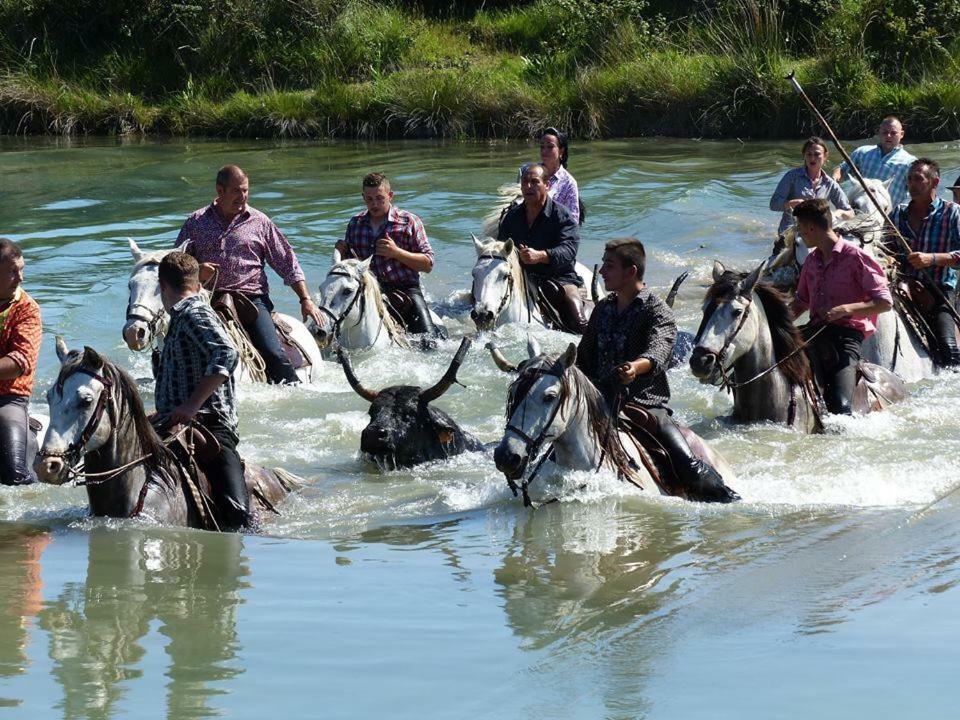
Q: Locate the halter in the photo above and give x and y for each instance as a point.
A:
(509, 290)
(72, 453)
(719, 355)
(357, 296)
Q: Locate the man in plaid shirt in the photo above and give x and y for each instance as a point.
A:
(400, 249)
(194, 381)
(886, 161)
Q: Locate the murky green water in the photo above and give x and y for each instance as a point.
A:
(829, 592)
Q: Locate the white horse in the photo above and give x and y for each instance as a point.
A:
(147, 321)
(552, 404)
(501, 293)
(356, 310)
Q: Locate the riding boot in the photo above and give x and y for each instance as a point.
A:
(946, 330)
(568, 304)
(226, 475)
(417, 317)
(701, 481)
(16, 450)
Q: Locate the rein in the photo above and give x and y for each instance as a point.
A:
(74, 449)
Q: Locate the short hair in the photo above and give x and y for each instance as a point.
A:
(815, 211)
(629, 251)
(530, 166)
(9, 250)
(933, 167)
(815, 140)
(228, 173)
(890, 118)
(179, 270)
(375, 180)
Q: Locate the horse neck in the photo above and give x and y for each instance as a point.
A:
(578, 446)
(768, 397)
(521, 307)
(118, 496)
(369, 327)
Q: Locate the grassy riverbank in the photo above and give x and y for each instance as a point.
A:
(317, 68)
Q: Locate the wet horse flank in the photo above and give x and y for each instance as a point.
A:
(96, 416)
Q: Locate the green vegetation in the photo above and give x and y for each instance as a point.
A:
(491, 69)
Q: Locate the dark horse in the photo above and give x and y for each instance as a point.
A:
(96, 412)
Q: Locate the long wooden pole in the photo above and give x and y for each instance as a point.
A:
(855, 172)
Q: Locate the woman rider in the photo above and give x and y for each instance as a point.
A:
(561, 185)
(807, 182)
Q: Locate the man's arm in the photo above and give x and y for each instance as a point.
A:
(207, 386)
(655, 347)
(24, 343)
(206, 332)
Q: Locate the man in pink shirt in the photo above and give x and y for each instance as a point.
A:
(844, 289)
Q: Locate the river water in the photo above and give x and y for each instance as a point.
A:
(829, 591)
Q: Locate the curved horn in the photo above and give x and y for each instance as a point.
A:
(595, 284)
(450, 376)
(363, 392)
(499, 359)
(672, 295)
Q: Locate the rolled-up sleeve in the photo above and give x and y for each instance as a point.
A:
(280, 256)
(657, 344)
(568, 241)
(417, 237)
(215, 347)
(837, 196)
(23, 346)
(782, 194)
(873, 280)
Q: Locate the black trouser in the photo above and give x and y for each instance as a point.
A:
(263, 335)
(566, 298)
(415, 315)
(225, 473)
(946, 329)
(702, 480)
(834, 354)
(18, 444)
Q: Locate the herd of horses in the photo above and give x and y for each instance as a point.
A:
(747, 344)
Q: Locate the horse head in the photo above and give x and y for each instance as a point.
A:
(730, 324)
(537, 412)
(862, 205)
(340, 296)
(146, 318)
(493, 281)
(77, 401)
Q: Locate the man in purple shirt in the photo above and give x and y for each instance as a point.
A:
(235, 241)
(398, 243)
(844, 289)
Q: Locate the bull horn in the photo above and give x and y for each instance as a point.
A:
(450, 376)
(500, 361)
(595, 284)
(672, 295)
(363, 392)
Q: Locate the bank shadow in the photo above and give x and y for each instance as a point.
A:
(185, 586)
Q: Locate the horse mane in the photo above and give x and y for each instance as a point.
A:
(159, 455)
(373, 295)
(787, 340)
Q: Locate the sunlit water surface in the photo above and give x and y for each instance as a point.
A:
(828, 592)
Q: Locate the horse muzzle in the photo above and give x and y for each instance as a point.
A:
(704, 366)
(50, 469)
(483, 319)
(511, 459)
(136, 335)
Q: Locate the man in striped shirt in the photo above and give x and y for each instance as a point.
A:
(931, 226)
(886, 161)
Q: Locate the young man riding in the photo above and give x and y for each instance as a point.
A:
(236, 241)
(20, 332)
(625, 352)
(398, 243)
(194, 381)
(931, 227)
(887, 160)
(547, 238)
(844, 289)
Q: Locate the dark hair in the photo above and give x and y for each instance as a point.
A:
(561, 142)
(9, 250)
(933, 165)
(815, 140)
(228, 173)
(629, 251)
(179, 270)
(530, 166)
(375, 180)
(816, 211)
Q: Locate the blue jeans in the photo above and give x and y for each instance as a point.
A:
(263, 334)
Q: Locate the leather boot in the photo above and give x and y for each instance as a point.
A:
(701, 481)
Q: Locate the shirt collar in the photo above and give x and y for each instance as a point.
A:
(392, 215)
(182, 305)
(220, 219)
(893, 152)
(932, 208)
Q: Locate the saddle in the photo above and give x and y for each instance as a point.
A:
(640, 428)
(238, 309)
(559, 307)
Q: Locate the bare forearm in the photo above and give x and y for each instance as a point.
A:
(301, 289)
(9, 369)
(415, 261)
(205, 388)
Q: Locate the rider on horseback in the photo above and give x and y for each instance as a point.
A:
(844, 289)
(547, 238)
(235, 240)
(398, 243)
(625, 352)
(195, 383)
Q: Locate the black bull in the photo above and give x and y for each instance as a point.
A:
(404, 430)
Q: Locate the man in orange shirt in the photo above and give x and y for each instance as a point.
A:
(20, 331)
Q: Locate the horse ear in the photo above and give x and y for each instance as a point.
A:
(182, 247)
(364, 265)
(888, 183)
(62, 350)
(135, 250)
(533, 347)
(508, 247)
(718, 270)
(569, 358)
(745, 287)
(477, 244)
(337, 258)
(91, 358)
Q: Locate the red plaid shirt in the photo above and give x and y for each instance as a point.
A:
(405, 229)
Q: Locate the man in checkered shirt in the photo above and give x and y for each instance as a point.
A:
(887, 161)
(400, 249)
(194, 381)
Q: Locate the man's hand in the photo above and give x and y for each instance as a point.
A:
(627, 373)
(183, 414)
(387, 248)
(920, 260)
(529, 256)
(837, 313)
(207, 271)
(309, 310)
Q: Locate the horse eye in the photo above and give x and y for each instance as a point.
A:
(736, 312)
(85, 401)
(550, 395)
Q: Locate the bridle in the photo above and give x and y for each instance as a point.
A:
(358, 296)
(152, 318)
(509, 291)
(721, 353)
(72, 454)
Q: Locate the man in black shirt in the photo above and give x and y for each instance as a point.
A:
(547, 239)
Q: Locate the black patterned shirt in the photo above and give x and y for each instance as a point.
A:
(197, 346)
(645, 329)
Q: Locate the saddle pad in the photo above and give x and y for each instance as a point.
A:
(295, 354)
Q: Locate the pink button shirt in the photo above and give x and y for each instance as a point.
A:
(851, 276)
